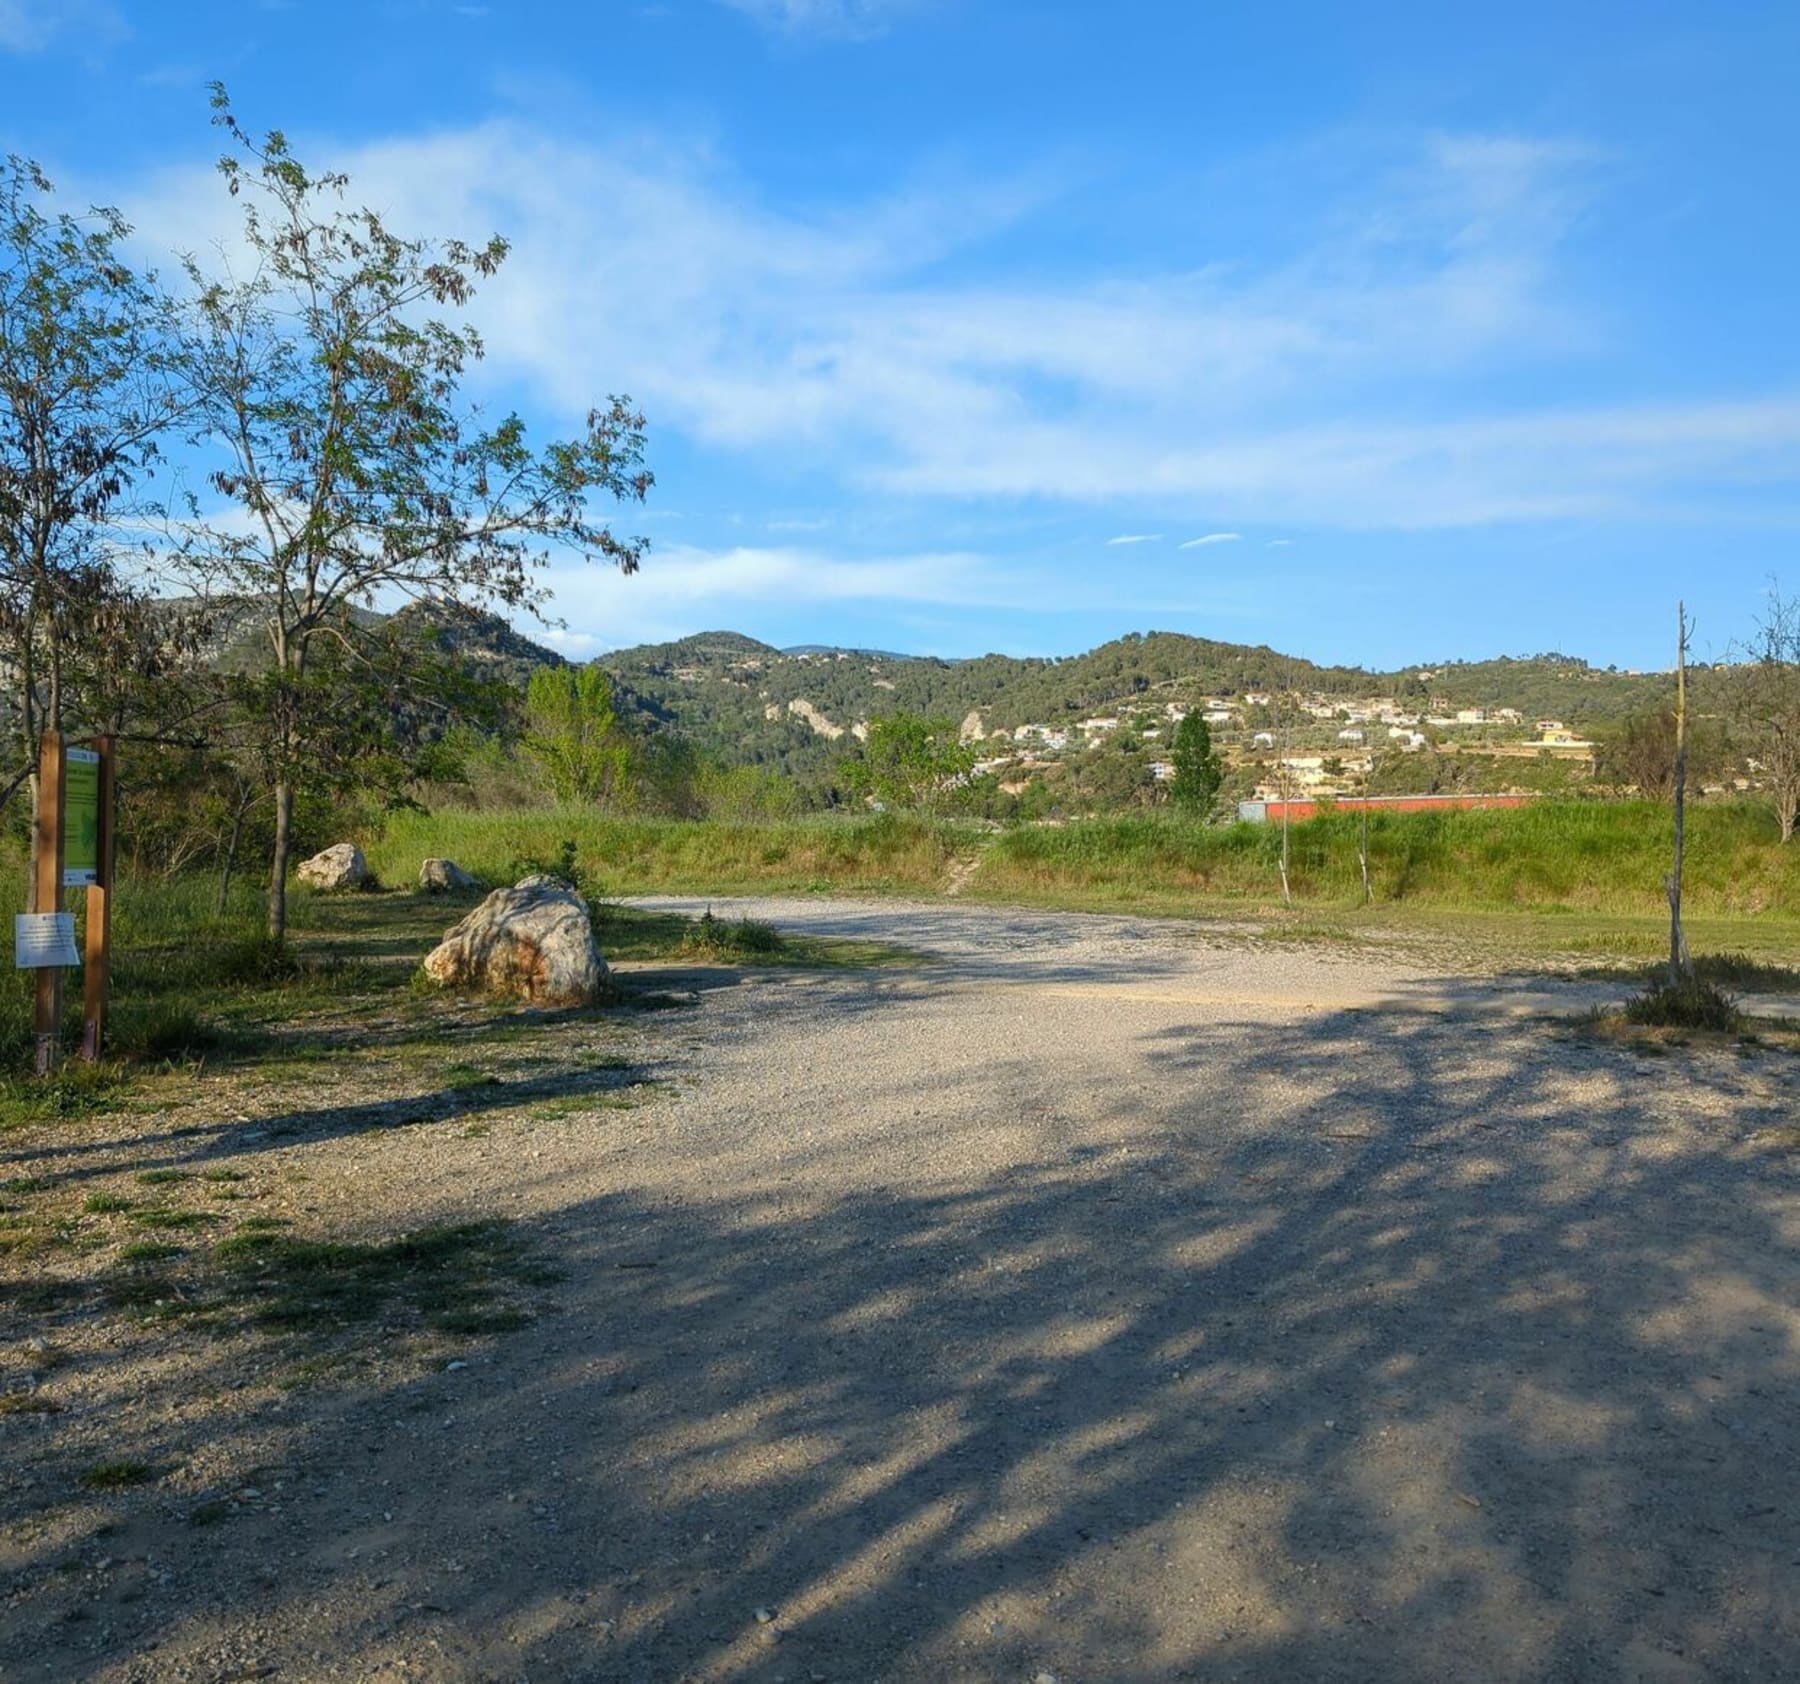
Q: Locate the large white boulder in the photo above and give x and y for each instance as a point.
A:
(445, 877)
(534, 940)
(340, 866)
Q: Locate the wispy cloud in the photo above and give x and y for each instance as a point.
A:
(844, 19)
(1212, 538)
(1222, 389)
(1279, 543)
(662, 600)
(32, 26)
(1135, 538)
(687, 586)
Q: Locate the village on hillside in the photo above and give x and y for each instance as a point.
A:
(1293, 745)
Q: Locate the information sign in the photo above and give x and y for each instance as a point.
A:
(81, 818)
(43, 940)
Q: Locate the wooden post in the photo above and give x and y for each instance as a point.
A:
(1678, 953)
(98, 977)
(47, 895)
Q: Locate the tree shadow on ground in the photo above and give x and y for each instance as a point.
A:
(1394, 1348)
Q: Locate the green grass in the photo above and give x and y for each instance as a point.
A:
(117, 1476)
(1553, 858)
(448, 1277)
(634, 933)
(879, 853)
(174, 1218)
(189, 983)
(148, 1251)
(722, 938)
(1691, 1003)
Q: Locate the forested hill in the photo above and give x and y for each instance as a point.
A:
(747, 701)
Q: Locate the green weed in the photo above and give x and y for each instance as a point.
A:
(117, 1476)
(448, 1277)
(1692, 1003)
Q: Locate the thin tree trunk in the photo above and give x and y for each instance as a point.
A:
(1678, 955)
(278, 864)
(1287, 801)
(231, 848)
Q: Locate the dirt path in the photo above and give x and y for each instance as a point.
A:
(1102, 1302)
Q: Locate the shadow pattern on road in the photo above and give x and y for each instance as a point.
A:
(1475, 1364)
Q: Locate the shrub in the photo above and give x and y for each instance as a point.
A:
(717, 938)
(1689, 1004)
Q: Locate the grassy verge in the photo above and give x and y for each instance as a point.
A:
(1556, 858)
(1591, 858)
(194, 990)
(878, 854)
(1577, 880)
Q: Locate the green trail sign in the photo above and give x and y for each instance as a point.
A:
(81, 819)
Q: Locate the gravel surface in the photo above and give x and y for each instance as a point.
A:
(1105, 1300)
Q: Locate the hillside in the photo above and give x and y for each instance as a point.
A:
(750, 703)
(799, 710)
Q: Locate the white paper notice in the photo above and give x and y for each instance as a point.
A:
(42, 939)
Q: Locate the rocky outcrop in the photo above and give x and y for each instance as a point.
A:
(338, 868)
(803, 709)
(445, 877)
(534, 941)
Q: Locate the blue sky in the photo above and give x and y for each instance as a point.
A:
(1378, 332)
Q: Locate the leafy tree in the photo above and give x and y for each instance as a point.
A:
(910, 761)
(744, 794)
(1198, 769)
(354, 471)
(86, 391)
(1766, 706)
(573, 731)
(1640, 753)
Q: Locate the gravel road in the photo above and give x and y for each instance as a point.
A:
(1105, 1300)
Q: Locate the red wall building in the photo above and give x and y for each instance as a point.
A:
(1261, 812)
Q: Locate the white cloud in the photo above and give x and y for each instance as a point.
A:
(31, 26)
(1135, 538)
(834, 335)
(1212, 538)
(1279, 543)
(852, 19)
(686, 586)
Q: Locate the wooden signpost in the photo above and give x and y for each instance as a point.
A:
(72, 847)
(98, 981)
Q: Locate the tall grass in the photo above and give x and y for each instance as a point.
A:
(1550, 857)
(175, 955)
(879, 853)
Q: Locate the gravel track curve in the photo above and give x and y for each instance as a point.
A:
(1104, 1300)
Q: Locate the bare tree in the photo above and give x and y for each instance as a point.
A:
(1765, 706)
(355, 472)
(1679, 966)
